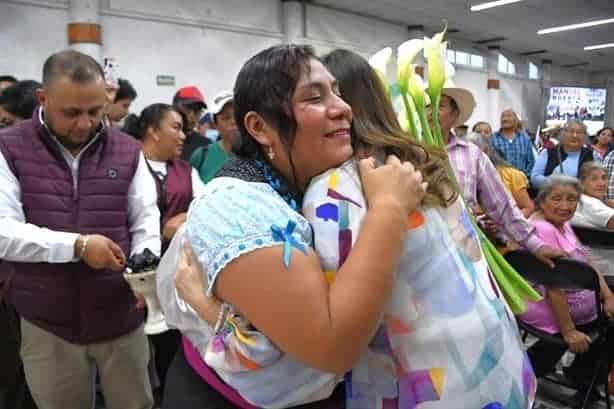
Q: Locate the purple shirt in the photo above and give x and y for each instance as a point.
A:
(581, 302)
(481, 187)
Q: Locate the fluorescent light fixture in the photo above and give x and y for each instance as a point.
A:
(491, 4)
(598, 46)
(576, 26)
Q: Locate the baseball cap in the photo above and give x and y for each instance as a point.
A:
(189, 95)
(207, 117)
(220, 101)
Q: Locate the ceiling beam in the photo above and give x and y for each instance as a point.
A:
(491, 40)
(536, 52)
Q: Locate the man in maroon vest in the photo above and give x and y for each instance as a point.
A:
(76, 198)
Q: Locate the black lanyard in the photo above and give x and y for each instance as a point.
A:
(160, 179)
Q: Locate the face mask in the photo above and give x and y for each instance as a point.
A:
(212, 134)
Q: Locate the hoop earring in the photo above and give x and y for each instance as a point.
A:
(270, 153)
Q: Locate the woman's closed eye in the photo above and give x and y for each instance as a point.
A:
(314, 98)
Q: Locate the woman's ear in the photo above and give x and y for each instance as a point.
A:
(151, 132)
(258, 128)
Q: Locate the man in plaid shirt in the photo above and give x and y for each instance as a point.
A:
(515, 145)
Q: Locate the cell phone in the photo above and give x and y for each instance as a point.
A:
(110, 71)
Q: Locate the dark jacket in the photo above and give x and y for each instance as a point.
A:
(557, 155)
(72, 300)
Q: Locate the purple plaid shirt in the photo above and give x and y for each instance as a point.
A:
(608, 163)
(482, 188)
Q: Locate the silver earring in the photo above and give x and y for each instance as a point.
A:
(270, 153)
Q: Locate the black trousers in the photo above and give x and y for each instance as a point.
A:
(545, 355)
(14, 392)
(165, 346)
(185, 389)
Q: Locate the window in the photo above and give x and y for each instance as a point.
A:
(477, 61)
(463, 58)
(451, 56)
(505, 65)
(533, 71)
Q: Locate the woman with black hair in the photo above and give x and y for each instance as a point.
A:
(602, 144)
(248, 234)
(17, 102)
(160, 128)
(441, 338)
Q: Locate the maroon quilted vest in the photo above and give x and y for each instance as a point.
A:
(72, 300)
(175, 193)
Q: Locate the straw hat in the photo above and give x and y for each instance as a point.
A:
(464, 100)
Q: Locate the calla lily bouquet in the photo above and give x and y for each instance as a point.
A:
(411, 96)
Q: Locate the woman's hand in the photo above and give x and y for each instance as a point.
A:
(548, 255)
(577, 341)
(172, 225)
(396, 183)
(191, 284)
(608, 306)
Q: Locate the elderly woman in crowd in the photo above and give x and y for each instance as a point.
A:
(570, 313)
(593, 210)
(565, 158)
(484, 129)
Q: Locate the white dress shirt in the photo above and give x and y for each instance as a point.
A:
(26, 242)
(197, 184)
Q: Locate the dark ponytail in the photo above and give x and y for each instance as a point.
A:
(131, 126)
(151, 116)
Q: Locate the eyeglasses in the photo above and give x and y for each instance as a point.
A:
(574, 132)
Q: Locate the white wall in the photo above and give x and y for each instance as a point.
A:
(23, 43)
(205, 42)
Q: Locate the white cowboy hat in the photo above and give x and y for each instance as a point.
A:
(464, 100)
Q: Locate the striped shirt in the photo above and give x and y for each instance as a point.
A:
(608, 162)
(517, 151)
(482, 188)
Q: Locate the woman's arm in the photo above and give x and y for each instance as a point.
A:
(524, 202)
(537, 174)
(577, 341)
(329, 327)
(172, 225)
(606, 294)
(325, 327)
(190, 282)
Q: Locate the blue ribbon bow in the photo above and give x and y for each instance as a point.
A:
(285, 236)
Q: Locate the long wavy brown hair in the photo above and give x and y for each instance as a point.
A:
(375, 127)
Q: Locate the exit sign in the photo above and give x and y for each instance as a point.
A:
(165, 80)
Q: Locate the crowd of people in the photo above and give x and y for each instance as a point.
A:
(312, 253)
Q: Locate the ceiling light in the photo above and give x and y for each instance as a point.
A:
(598, 46)
(576, 26)
(491, 4)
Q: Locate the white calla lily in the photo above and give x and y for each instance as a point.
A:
(379, 61)
(407, 52)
